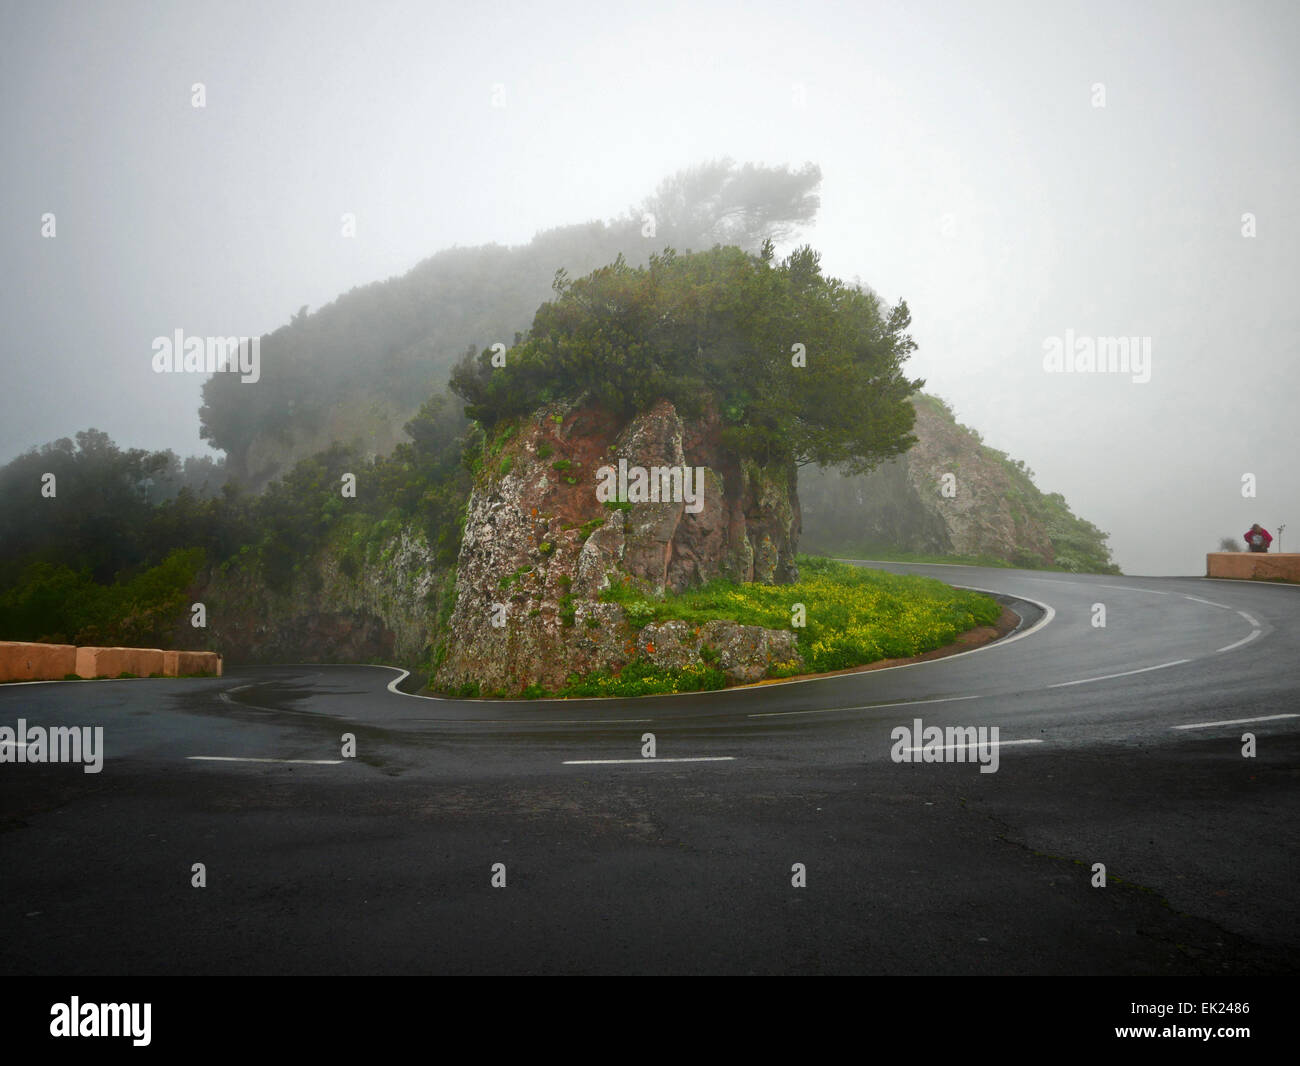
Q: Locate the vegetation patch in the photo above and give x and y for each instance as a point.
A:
(642, 678)
(852, 615)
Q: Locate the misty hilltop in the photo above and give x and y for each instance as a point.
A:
(430, 396)
(355, 370)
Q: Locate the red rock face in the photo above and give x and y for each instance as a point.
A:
(540, 545)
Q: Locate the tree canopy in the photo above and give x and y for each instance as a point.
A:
(802, 367)
(363, 362)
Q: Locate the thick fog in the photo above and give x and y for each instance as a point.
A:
(1018, 173)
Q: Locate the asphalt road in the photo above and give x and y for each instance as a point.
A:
(1119, 745)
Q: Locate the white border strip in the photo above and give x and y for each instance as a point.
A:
(645, 762)
(1235, 721)
(1049, 614)
(1126, 673)
(864, 707)
(976, 744)
(243, 758)
(1244, 640)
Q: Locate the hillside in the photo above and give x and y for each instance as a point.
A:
(996, 513)
(354, 371)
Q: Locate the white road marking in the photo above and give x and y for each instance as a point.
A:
(1049, 614)
(1235, 721)
(1249, 619)
(1209, 602)
(1126, 673)
(620, 762)
(1244, 640)
(243, 758)
(989, 744)
(1130, 588)
(534, 721)
(867, 707)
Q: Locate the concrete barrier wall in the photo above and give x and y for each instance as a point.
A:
(181, 663)
(1257, 566)
(112, 662)
(21, 661)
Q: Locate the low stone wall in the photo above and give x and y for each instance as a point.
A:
(182, 663)
(113, 662)
(1254, 566)
(22, 661)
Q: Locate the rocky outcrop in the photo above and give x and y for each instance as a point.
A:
(950, 494)
(541, 544)
(743, 653)
(375, 605)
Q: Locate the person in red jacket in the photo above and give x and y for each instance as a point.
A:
(1258, 538)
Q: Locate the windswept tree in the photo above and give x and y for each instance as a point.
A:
(801, 367)
(720, 203)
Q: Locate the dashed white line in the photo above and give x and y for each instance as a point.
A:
(244, 758)
(1126, 673)
(865, 707)
(647, 762)
(1130, 588)
(988, 744)
(1235, 721)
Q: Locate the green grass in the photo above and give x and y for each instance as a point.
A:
(854, 615)
(642, 678)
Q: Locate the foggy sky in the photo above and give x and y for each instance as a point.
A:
(966, 169)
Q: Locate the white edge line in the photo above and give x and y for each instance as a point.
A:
(1244, 640)
(98, 680)
(1235, 721)
(649, 762)
(248, 759)
(864, 707)
(1254, 582)
(1210, 603)
(987, 744)
(1049, 614)
(1126, 673)
(534, 721)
